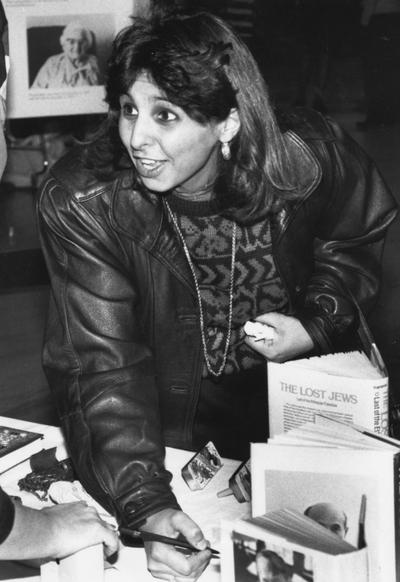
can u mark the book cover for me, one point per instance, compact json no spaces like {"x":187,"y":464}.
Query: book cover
{"x":12,"y":439}
{"x":349,"y":387}
{"x":252,"y":553}
{"x":16,"y":445}
{"x":347,"y":481}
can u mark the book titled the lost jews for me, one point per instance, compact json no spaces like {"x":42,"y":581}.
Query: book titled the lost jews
{"x":343,"y":477}
{"x":350,"y":387}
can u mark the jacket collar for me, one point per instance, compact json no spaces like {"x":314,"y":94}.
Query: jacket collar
{"x":142,"y":216}
{"x":305,"y":166}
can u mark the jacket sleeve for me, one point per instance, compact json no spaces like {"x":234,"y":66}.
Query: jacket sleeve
{"x":7,"y":514}
{"x":98,"y":364}
{"x":349,"y":214}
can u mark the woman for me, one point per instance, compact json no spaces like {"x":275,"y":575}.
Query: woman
{"x":75,"y":66}
{"x":192,"y":212}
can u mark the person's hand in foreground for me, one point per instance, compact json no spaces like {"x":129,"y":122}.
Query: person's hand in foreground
{"x":56,"y":532}
{"x":165,"y":561}
{"x":289,"y":338}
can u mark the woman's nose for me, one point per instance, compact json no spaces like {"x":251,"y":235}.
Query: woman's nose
{"x":141,"y":134}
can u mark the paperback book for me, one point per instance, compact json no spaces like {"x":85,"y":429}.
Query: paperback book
{"x":286,"y":546}
{"x":346,"y":478}
{"x":350,"y":387}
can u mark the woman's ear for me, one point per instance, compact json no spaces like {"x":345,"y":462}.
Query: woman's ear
{"x":230,"y":126}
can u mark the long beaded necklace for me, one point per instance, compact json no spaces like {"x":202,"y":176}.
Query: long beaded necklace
{"x":210,"y":368}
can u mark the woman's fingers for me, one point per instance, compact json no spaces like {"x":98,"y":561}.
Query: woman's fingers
{"x":165,"y":561}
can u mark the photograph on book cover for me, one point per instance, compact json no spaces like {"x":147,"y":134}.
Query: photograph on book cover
{"x":58,"y":53}
{"x":256,"y":559}
{"x":12,"y":439}
{"x":345,"y":504}
{"x":361,"y":483}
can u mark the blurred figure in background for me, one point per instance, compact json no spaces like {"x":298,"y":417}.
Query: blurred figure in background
{"x":380,"y":22}
{"x":315,"y":21}
{"x":4,"y":66}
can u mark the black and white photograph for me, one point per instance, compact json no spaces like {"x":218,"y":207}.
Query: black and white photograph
{"x":199,"y":290}
{"x":337,"y":508}
{"x":60,"y":51}
{"x":70,"y":54}
{"x":259,"y":561}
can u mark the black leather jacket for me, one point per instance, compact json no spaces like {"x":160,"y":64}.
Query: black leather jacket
{"x":122,"y":349}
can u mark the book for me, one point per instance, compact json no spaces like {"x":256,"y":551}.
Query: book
{"x":17,"y":445}
{"x":24,"y":439}
{"x":286,"y":546}
{"x":345,"y":477}
{"x":352,"y":387}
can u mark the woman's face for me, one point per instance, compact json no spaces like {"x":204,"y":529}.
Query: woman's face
{"x":74,"y":44}
{"x":166,"y":146}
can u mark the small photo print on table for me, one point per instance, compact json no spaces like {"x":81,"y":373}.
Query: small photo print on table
{"x":202,"y":467}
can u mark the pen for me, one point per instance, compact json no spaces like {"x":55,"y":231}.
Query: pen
{"x":148,"y":536}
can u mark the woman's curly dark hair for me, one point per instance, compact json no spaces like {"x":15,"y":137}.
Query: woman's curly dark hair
{"x":202,"y":66}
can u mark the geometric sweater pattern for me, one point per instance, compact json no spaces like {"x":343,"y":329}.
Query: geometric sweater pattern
{"x":257,"y":286}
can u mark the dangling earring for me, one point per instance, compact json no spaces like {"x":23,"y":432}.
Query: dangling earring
{"x":226,"y":150}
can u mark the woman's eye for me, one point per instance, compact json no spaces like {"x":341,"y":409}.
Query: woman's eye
{"x":165,"y":115}
{"x":128,"y":110}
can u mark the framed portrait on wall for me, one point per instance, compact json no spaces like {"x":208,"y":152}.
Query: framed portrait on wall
{"x":58,"y":54}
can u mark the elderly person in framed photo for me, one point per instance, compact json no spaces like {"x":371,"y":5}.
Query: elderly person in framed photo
{"x":76,"y":66}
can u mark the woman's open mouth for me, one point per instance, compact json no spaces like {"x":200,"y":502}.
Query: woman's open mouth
{"x":148,"y":168}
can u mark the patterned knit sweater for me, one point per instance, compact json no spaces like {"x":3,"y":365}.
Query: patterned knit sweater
{"x":257,"y":285}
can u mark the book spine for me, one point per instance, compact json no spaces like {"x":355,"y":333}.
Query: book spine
{"x":396,"y":503}
{"x":381,"y":407}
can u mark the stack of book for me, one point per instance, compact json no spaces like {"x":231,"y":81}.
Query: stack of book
{"x":325,"y":508}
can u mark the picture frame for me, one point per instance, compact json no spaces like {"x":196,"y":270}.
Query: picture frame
{"x":38,"y":50}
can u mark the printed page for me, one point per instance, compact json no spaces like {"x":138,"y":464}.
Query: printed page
{"x":296,"y":395}
{"x":345,"y":364}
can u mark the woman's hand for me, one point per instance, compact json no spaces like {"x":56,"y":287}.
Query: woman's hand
{"x":290,"y":339}
{"x":165,"y":561}
{"x":76,"y":526}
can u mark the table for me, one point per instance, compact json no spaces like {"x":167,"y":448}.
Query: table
{"x":203,"y":505}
